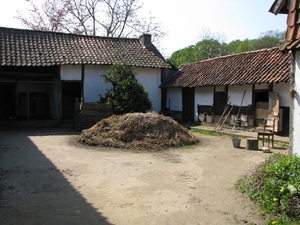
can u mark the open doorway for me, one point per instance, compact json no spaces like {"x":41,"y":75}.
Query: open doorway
{"x":70,"y":91}
{"x":7,"y":101}
{"x":266,"y":106}
{"x":261,"y":99}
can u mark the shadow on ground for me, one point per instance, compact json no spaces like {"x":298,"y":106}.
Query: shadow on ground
{"x":42,"y":194}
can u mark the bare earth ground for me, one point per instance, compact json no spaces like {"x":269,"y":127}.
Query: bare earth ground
{"x":48,"y":179}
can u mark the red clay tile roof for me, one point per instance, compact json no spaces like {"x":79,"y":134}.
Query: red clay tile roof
{"x":261,"y":66}
{"x":292,"y":9}
{"x":20,"y":47}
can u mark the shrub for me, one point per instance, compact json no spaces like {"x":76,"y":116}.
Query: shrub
{"x":130,"y":96}
{"x":127,"y":94}
{"x":275,"y":186}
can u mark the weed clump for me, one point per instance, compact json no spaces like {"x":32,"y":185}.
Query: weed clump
{"x":275,"y":186}
{"x":138,"y":131}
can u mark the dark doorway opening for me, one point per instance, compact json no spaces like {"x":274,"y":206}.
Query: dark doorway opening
{"x":7,"y":101}
{"x":262,"y":96}
{"x":220,"y":101}
{"x":70,"y":91}
{"x":188,"y":104}
{"x":285,"y":120}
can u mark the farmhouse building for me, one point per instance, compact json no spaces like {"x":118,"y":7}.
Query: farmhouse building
{"x":42,"y":73}
{"x":255,"y":84}
{"x":292,"y":46}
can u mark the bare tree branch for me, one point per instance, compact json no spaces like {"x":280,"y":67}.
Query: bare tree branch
{"x":111,"y":18}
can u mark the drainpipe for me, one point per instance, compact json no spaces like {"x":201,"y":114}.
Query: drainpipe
{"x":27,"y":104}
{"x":292,"y":86}
{"x":82,"y":81}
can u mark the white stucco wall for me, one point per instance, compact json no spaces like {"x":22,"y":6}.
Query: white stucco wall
{"x":174,"y":99}
{"x":93,"y":82}
{"x":263,"y":86}
{"x":283,"y":89}
{"x":236,"y":92}
{"x":296,"y":104}
{"x":94,"y":85}
{"x":203,"y":96}
{"x":150,"y":79}
{"x":70,"y":72}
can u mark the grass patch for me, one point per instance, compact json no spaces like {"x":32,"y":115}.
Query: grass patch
{"x":206,"y":132}
{"x":211,"y":133}
{"x":281,"y":144}
{"x":275,"y":186}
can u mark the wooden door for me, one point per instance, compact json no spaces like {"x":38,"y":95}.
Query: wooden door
{"x":220,"y":100}
{"x":188,"y":104}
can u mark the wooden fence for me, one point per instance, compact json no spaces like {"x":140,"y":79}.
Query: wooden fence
{"x":88,"y":114}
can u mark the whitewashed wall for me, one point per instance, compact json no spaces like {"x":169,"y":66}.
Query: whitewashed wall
{"x":150,"y":79}
{"x":93,"y":82}
{"x":296,"y":102}
{"x":94,"y":85}
{"x":236,"y":92}
{"x":263,"y":86}
{"x":283,"y":89}
{"x":203,"y":96}
{"x":174,"y":99}
{"x":70,"y":72}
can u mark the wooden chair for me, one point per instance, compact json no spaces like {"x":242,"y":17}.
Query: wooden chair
{"x":267,"y":132}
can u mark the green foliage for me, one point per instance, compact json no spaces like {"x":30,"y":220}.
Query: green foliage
{"x":183,"y":56}
{"x":275,"y":186}
{"x":205,"y":49}
{"x":212,"y":48}
{"x":269,"y":39}
{"x":127,"y":94}
{"x":130,"y":96}
{"x":119,"y":72}
{"x":208,"y":49}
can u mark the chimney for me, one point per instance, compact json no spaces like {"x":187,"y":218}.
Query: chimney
{"x":145,"y":39}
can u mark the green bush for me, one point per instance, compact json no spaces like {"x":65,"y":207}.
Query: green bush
{"x":130,"y":96}
{"x":127,"y":94}
{"x":275,"y":186}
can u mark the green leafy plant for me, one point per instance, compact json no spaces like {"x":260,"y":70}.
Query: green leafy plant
{"x":127,"y":94}
{"x":275,"y":186}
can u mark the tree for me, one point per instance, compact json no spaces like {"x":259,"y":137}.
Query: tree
{"x":207,"y":34}
{"x":268,"y":39}
{"x":48,"y":16}
{"x":127,"y":94}
{"x":182,"y":56}
{"x":208,"y":48}
{"x":205,"y":49}
{"x":110,"y":18}
{"x":213,"y":45}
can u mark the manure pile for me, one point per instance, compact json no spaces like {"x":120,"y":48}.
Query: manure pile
{"x":139,"y":131}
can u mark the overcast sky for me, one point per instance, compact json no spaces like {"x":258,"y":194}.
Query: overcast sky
{"x":184,"y":19}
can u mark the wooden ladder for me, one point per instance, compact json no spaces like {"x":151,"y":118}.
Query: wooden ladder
{"x":223,"y":118}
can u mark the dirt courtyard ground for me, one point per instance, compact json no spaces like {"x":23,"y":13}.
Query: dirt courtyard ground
{"x":47,"y":179}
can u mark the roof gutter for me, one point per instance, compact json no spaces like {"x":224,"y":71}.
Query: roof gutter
{"x":278,"y":7}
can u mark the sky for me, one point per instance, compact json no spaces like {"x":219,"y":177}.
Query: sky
{"x":184,"y":20}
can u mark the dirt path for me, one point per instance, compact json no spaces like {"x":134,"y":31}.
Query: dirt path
{"x":47,"y":180}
